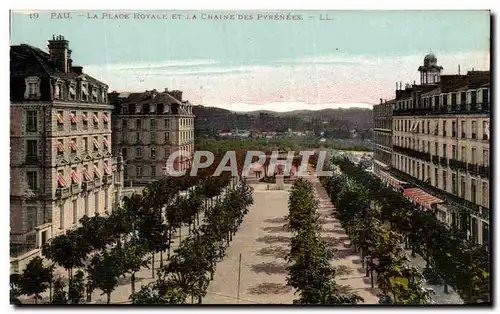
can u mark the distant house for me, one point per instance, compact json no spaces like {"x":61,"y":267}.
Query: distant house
{"x":225,"y":133}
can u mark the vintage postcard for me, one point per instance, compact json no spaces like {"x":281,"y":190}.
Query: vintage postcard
{"x":250,"y":157}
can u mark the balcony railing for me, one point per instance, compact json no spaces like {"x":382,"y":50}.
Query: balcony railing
{"x":87,"y":185}
{"x":462,"y":109}
{"x":457,"y":164}
{"x":63,"y":192}
{"x":443,"y":161}
{"x":435,"y":160}
{"x":472,"y":168}
{"x":484,"y":171}
{"x":107,"y":179}
{"x":75,"y":188}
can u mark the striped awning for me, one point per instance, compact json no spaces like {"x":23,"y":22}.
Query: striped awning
{"x":106,"y":169}
{"x":86,"y":174}
{"x":60,"y":181}
{"x":60,"y":119}
{"x":105,"y":117}
{"x":421,"y":197}
{"x":387,"y":178}
{"x":73,"y":118}
{"x":74,"y":177}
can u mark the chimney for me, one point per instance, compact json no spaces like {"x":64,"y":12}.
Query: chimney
{"x":70,"y":61}
{"x":77,"y":69}
{"x":166,"y":90}
{"x":380,"y":100}
{"x":59,"y":53}
{"x":459,"y":69}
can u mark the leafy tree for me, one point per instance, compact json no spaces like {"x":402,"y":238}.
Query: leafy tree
{"x":60,"y":296}
{"x":104,"y":272}
{"x":77,"y":290}
{"x":15,"y":289}
{"x":35,"y":278}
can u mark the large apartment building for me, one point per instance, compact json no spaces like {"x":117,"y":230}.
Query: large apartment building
{"x":382,"y":134}
{"x":60,"y":134}
{"x":441,"y":147}
{"x":147,"y":129}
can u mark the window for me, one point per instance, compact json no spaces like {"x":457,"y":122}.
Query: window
{"x":444,"y":128}
{"x":436,"y":177}
{"x":474,"y":129}
{"x":96,"y":143}
{"x":473,"y":100}
{"x":462,"y":187}
{"x":444,"y":150}
{"x":152,"y":108}
{"x":96,"y":120}
{"x":152,"y":124}
{"x":428,"y":173}
{"x":486,"y":235}
{"x":139,"y":171}
{"x":74,"y":146}
{"x":167,"y":124}
{"x":453,"y":101}
{"x":464,"y":128}
{"x":152,"y":137}
{"x":153,"y":171}
{"x":32,"y":177}
{"x":167,"y":136}
{"x":153,"y":152}
{"x":486,"y":158}
{"x":485,"y":195}
{"x":85,"y":144}
{"x":473,"y":190}
{"x":124,"y":124}
{"x":138,"y":124}
{"x":138,"y":137}
{"x":454,"y":151}
{"x":463,"y":154}
{"x":96,"y":201}
{"x":31,"y":221}
{"x":138,"y":152}
{"x":453,"y":183}
{"x":486,"y":130}
{"x":473,"y":156}
{"x":61,"y":216}
{"x":436,"y":127}
{"x":32,"y":87}
{"x":124,"y":153}
{"x":75,"y":212}
{"x":85,"y":120}
{"x":444,"y":179}
{"x":428,"y":127}
{"x":436,"y":102}
{"x":436,"y":150}
{"x":32,"y":148}
{"x":31,"y":121}
{"x":454,"y":128}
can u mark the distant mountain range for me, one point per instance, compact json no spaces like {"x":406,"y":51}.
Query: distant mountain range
{"x":334,"y":122}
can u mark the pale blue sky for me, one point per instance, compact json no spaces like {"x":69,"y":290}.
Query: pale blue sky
{"x":257,"y":62}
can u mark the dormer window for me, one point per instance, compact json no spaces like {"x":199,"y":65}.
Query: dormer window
{"x":166,"y":109}
{"x":85,"y":92}
{"x":72,"y":92}
{"x":32,"y":88}
{"x":138,"y":108}
{"x":58,"y":91}
{"x":152,"y":108}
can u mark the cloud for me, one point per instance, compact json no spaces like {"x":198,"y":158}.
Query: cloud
{"x":307,"y":81}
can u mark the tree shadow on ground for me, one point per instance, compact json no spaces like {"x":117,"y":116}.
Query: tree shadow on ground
{"x":344,"y":289}
{"x":324,"y":220}
{"x":276,"y":229}
{"x":361,"y":270}
{"x":277,"y":220}
{"x":375,"y":291}
{"x":343,"y":270}
{"x":331,"y":241}
{"x":269,"y":268}
{"x":269,"y":288}
{"x":276,"y":251}
{"x":271,"y":239}
{"x":122,"y":281}
{"x":335,"y":230}
{"x":341,"y":254}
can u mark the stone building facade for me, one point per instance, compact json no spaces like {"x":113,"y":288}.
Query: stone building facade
{"x":61,"y":162}
{"x":382,"y":131}
{"x":148,"y":128}
{"x":441,"y":148}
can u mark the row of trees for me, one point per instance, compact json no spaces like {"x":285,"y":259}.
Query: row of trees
{"x":310,"y":271}
{"x":191,"y":268}
{"x":379,"y":219}
{"x":119,"y":243}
